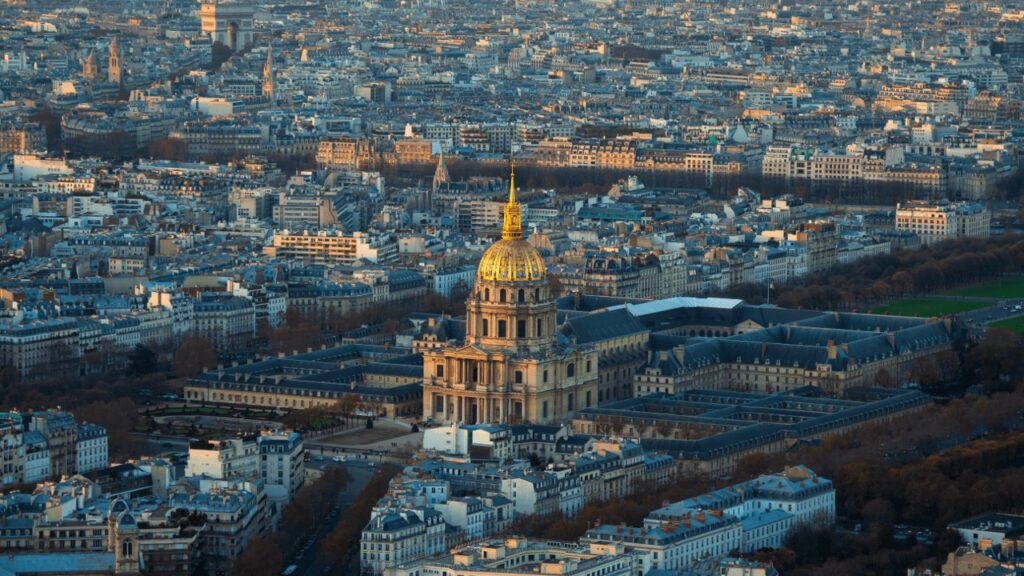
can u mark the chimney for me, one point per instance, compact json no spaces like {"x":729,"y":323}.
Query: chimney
{"x":831,"y":349}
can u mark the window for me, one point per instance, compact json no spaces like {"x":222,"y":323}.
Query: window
{"x":519,"y":376}
{"x":544,"y":409}
{"x":475,"y":373}
{"x":487,"y":293}
{"x":536,"y":294}
{"x":569,"y":402}
{"x":540,"y":327}
{"x":545,"y":376}
{"x":502,"y":329}
{"x":521,"y":328}
{"x":486,"y":328}
{"x":522,"y":296}
{"x":440,"y":370}
{"x":588,"y":399}
{"x":570,"y":370}
{"x":501,"y":295}
{"x":588,"y":366}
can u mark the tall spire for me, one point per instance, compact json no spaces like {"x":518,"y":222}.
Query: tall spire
{"x":512,"y":228}
{"x":268,"y":74}
{"x":114,"y":63}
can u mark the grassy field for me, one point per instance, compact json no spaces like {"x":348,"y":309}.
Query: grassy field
{"x":1002,"y":288}
{"x":925,"y":308}
{"x":1012,"y":324}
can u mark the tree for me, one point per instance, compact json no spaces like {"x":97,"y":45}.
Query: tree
{"x":195,"y":355}
{"x":884,"y":379}
{"x":51,"y":124}
{"x":262,"y":557}
{"x":751,"y":465}
{"x":141,"y":361}
{"x":295,"y":337}
{"x":221,"y":54}
{"x":174,"y":149}
{"x":996,"y":360}
{"x":925,"y":371}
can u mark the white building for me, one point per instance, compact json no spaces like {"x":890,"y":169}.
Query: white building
{"x":282,"y":457}
{"x":519,"y":555}
{"x":745,"y":517}
{"x":224,"y":459}
{"x":91,"y":452}
{"x":29,"y":167}
{"x":396,"y":536}
{"x":37,"y":458}
{"x":479,"y":441}
{"x":943,"y":221}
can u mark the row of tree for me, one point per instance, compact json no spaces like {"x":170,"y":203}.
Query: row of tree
{"x":265,"y":555}
{"x":340,"y":547}
{"x":882,"y":278}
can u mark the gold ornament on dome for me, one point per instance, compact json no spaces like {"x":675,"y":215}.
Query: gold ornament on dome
{"x":511,"y":259}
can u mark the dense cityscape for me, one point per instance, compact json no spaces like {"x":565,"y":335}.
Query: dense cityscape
{"x":442,"y":288}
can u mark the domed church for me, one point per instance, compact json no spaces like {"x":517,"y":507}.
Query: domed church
{"x":514,"y":366}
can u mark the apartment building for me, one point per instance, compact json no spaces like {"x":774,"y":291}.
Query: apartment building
{"x":943,"y":221}
{"x":281,"y":461}
{"x":226,"y":321}
{"x":342,"y":153}
{"x":744,"y":517}
{"x":395,"y":536}
{"x":519,"y":555}
{"x":29,"y":347}
{"x":224,"y":458}
{"x":333,"y":247}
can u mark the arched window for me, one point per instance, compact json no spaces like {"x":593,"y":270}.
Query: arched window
{"x":501,"y":295}
{"x":522,"y":296}
{"x":487,"y":293}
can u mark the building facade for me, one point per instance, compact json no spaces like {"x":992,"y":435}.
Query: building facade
{"x":512,"y":367}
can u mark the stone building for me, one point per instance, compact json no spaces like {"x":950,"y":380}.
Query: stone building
{"x":513,"y":366}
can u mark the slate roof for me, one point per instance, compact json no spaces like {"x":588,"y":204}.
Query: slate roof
{"x":604,"y":326}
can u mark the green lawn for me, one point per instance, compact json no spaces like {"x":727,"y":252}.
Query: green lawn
{"x":926,"y":308}
{"x":1012,"y":324}
{"x":1002,"y":288}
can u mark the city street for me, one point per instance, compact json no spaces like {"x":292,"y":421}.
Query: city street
{"x":308,"y":560}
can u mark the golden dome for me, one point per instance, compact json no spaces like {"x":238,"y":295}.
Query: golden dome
{"x":511,"y":259}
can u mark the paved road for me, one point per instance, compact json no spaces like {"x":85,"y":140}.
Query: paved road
{"x":1001,"y":311}
{"x":308,"y":561}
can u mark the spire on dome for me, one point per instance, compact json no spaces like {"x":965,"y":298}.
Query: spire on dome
{"x":512,"y":227}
